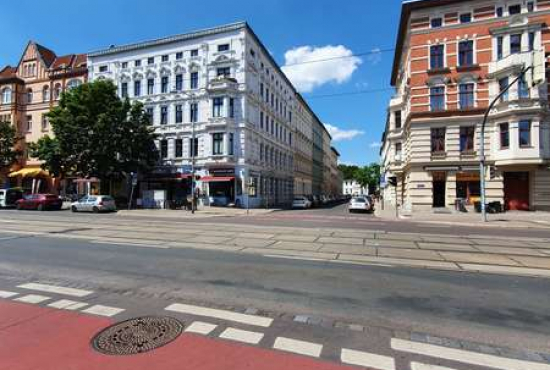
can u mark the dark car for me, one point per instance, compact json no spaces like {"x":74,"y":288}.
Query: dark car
{"x":40,"y":202}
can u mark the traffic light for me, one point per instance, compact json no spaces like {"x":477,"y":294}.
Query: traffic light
{"x":492,"y":172}
{"x":392,"y":180}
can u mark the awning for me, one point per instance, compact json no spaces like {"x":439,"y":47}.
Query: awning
{"x":29,"y":172}
{"x":84,"y":180}
{"x":216,"y":179}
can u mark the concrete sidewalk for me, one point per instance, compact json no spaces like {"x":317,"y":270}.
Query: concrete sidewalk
{"x":201,"y":212}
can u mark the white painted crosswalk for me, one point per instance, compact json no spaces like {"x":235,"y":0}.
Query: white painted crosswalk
{"x":199,"y":327}
{"x":466,"y":357}
{"x":421,"y":366}
{"x":298,"y":346}
{"x":244,"y":336}
{"x":67,"y":304}
{"x":101,"y":310}
{"x":7,"y":294}
{"x":366,"y":359}
{"x":241,"y":318}
{"x":32,"y":298}
{"x":73,"y":292}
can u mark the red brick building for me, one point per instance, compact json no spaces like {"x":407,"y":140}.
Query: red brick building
{"x":452,"y":58}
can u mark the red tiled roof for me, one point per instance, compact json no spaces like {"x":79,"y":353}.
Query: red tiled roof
{"x":47,"y":55}
{"x":7,"y":71}
{"x":71,"y":60}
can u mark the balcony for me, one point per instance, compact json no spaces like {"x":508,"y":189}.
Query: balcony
{"x":223,"y":84}
{"x":513,"y":63}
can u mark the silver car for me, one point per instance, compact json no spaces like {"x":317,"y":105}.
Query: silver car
{"x":359,"y":204}
{"x":94,"y":203}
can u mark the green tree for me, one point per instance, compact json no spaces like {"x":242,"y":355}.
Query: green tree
{"x":8,"y":141}
{"x":348,"y":172}
{"x":97,"y":135}
{"x":365,"y":176}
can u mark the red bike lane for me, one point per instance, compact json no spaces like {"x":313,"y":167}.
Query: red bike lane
{"x":39,"y":338}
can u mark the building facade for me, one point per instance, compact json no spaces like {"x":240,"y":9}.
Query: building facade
{"x":27,"y":93}
{"x":453,"y":57}
{"x":336,"y":176}
{"x":220,"y":104}
{"x":353,"y":188}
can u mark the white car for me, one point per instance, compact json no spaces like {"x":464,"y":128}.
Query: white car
{"x":301,"y":202}
{"x":94,"y":203}
{"x":359,"y":204}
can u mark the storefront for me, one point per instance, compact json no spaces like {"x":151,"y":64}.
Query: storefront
{"x":516,"y":191}
{"x":468,"y":187}
{"x":33,"y":180}
{"x":439,"y":188}
{"x":165,"y":188}
{"x":220,"y":187}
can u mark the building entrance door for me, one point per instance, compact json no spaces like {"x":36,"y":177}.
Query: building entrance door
{"x":439,"y":186}
{"x":516,"y":191}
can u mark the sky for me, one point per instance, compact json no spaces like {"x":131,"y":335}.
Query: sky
{"x":349,"y":92}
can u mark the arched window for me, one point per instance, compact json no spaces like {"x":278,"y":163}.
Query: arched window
{"x":6,"y":96}
{"x":57,"y":91}
{"x":73,"y":84}
{"x":29,"y":96}
{"x":46,"y":93}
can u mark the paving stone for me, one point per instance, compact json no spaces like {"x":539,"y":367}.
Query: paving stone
{"x":351,"y":249}
{"x":314,"y":321}
{"x":208,"y":239}
{"x":446,"y":240}
{"x":296,"y":238}
{"x":511,"y":250}
{"x":349,"y":241}
{"x":391,"y":243}
{"x":296,"y":246}
{"x":251,"y":311}
{"x":354,"y":233}
{"x":533,"y":261}
{"x":254,"y":243}
{"x":481,"y":258}
{"x":445,"y":246}
{"x":255,"y":235}
{"x":292,"y":254}
{"x":398,"y":236}
{"x":357,"y":327}
{"x":505,"y":270}
{"x":409,"y":253}
{"x":218,"y":247}
{"x":419,"y":337}
{"x":399,"y":261}
{"x":502,"y":242}
{"x":301,"y":318}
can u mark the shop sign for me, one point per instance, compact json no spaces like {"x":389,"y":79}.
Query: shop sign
{"x":222,"y":172}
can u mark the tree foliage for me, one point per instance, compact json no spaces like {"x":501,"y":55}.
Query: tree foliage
{"x":97,"y":135}
{"x":8,"y":141}
{"x":365,"y":176}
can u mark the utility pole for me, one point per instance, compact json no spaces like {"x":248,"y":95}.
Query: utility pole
{"x":193,"y":205}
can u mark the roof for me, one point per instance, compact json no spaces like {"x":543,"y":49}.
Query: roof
{"x":335,"y":151}
{"x":47,"y":55}
{"x":8,"y":74}
{"x":407,"y":7}
{"x":71,"y":60}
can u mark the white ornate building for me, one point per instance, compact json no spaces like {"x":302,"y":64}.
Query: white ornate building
{"x":222,"y":84}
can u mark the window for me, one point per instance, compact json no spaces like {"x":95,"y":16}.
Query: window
{"x":398,"y":150}
{"x":194,"y":147}
{"x":163,"y":115}
{"x":124,"y":65}
{"x":164,"y":58}
{"x":231,"y":144}
{"x":531,"y":6}
{"x":223,"y":72}
{"x":515,"y":44}
{"x":151,"y":114}
{"x":151,"y":60}
{"x":436,"y":22}
{"x":124,"y":89}
{"x":46,"y":94}
{"x":398,"y":119}
{"x":261,"y":90}
{"x":179,"y":55}
{"x":290,"y":138}
{"x":179,"y":82}
{"x":524,"y":134}
{"x":267,"y":95}
{"x":223,"y":47}
{"x":466,"y":92}
{"x":504,"y":136}
{"x":438,"y":139}
{"x":252,"y":53}
{"x":73,"y":84}
{"x":194,"y":80}
{"x":137,"y":88}
{"x":466,"y":53}
{"x":499,"y":11}
{"x":261,"y":120}
{"x":103,"y":68}
{"x":150,"y":86}
{"x":164,"y":149}
{"x":179,"y":148}
{"x":437,"y":98}
{"x":57,"y":91}
{"x":465,"y":17}
{"x":523,"y":89}
{"x":217,"y":107}
{"x":137,"y":63}
{"x":194,"y":52}
{"x":437,"y":56}
{"x":29,"y":96}
{"x":261,"y":152}
{"x":467,"y":134}
{"x":193,"y":112}
{"x":531,"y":41}
{"x":503,"y":85}
{"x":45,"y":122}
{"x":6,"y":96}
{"x":514,"y":9}
{"x":164,"y":84}
{"x":29,"y":123}
{"x":179,"y":113}
{"x":217,"y":144}
{"x":231,"y":107}
{"x":500,"y":47}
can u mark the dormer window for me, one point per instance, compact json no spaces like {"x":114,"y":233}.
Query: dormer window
{"x":436,"y":22}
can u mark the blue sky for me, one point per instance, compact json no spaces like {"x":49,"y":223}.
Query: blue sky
{"x":298,"y":29}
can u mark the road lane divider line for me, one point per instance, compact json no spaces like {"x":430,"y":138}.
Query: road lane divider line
{"x":241,"y":318}
{"x":244,"y":336}
{"x":298,"y":346}
{"x":73,"y":292}
{"x":6,"y":294}
{"x":67,"y":304}
{"x":199,"y":327}
{"x":32,"y":298}
{"x":421,"y":366}
{"x":100,"y":310}
{"x":366,"y":359}
{"x":467,"y":357}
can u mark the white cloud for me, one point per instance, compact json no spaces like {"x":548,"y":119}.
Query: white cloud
{"x":304,"y":68}
{"x":375,"y":56}
{"x":340,"y":134}
{"x":375,"y":145}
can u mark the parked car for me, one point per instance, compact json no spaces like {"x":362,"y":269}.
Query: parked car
{"x":301,"y":202}
{"x":359,"y":204}
{"x":94,"y":203}
{"x":9,"y":197}
{"x":219,"y":199}
{"x":316,"y":201}
{"x":40,"y":202}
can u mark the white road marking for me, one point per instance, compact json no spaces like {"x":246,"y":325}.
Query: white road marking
{"x":32,"y":298}
{"x":366,"y":359}
{"x":73,"y":292}
{"x":421,"y":366}
{"x":67,"y":304}
{"x":200,"y":327}
{"x":294,"y":258}
{"x":221,"y":314}
{"x":298,"y":346}
{"x":131,"y":244}
{"x":467,"y":357}
{"x":103,"y":310}
{"x":6,"y":294}
{"x":245,"y":336}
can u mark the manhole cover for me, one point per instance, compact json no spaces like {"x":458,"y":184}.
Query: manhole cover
{"x":137,"y":335}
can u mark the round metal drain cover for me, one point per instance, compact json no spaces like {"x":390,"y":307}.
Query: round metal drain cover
{"x":137,"y":335}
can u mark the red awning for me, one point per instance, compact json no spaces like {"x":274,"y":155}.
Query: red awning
{"x":216,"y":179}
